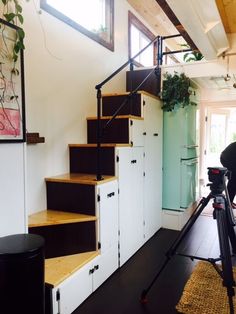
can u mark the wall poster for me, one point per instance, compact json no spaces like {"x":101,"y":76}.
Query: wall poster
{"x":12,"y":95}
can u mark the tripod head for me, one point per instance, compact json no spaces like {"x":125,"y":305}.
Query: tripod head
{"x":217,"y":177}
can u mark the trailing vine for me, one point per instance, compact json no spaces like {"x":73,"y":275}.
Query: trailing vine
{"x":12,"y":37}
{"x":12,"y":13}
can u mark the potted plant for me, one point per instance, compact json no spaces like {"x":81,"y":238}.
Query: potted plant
{"x":176,"y":91}
{"x":194,"y":55}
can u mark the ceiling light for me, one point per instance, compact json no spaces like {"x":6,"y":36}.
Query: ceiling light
{"x":227,"y":78}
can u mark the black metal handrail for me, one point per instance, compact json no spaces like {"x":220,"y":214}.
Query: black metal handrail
{"x":98,"y":87}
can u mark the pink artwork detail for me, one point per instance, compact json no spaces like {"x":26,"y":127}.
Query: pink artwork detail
{"x":9,"y":122}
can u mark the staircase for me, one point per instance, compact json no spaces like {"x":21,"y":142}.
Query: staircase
{"x":93,"y":227}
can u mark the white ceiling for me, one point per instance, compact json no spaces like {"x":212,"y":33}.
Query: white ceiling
{"x":206,"y":24}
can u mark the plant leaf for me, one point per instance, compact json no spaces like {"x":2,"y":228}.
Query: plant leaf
{"x":9,"y":16}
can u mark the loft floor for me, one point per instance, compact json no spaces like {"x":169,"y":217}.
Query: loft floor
{"x":120,"y":293}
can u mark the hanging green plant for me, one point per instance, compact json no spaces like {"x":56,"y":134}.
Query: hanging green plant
{"x":176,"y":91}
{"x":194,"y":55}
{"x":12,"y":13}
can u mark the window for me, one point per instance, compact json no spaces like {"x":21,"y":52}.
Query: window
{"x":139,"y":37}
{"x":93,"y":18}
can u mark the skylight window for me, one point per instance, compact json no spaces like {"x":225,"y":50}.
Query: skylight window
{"x":94,"y":18}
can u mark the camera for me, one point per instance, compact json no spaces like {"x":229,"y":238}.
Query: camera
{"x":216,"y":176}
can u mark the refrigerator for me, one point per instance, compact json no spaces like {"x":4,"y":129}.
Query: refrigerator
{"x":180,"y":159}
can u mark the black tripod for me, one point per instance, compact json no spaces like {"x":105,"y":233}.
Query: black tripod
{"x":226,"y":234}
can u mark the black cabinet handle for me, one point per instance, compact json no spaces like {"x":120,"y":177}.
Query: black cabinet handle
{"x":110,"y":194}
{"x":91,"y":271}
{"x":144,"y":133}
{"x":155,"y":134}
{"x":134,"y":161}
{"x":96,"y":267}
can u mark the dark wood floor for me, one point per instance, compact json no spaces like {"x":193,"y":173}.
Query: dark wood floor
{"x":120,"y":294}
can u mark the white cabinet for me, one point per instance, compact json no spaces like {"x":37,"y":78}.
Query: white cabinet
{"x":73,"y":291}
{"x":129,"y":169}
{"x":136,"y":132}
{"x":153,"y":117}
{"x":107,"y":213}
{"x":107,"y":232}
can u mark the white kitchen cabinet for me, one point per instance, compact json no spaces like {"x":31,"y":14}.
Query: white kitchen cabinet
{"x":153,"y":117}
{"x":129,"y":169}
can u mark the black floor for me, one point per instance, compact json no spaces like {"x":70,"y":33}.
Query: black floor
{"x":120,"y":294}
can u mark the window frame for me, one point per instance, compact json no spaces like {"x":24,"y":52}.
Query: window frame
{"x":109,"y":16}
{"x":133,"y":20}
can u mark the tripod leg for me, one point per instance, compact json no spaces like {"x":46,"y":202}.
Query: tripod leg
{"x":172,"y":250}
{"x":227,"y":269}
{"x":197,"y":212}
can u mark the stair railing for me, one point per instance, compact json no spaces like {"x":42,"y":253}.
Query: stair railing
{"x":98,"y":87}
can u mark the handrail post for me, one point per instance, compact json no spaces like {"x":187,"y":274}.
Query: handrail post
{"x":99,"y":134}
{"x":159,"y":55}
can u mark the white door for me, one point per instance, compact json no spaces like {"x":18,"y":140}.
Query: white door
{"x":153,"y":117}
{"x":220,"y":131}
{"x":136,"y":132}
{"x":75,"y":289}
{"x":130,"y":172}
{"x":105,"y":265}
{"x":108,"y":215}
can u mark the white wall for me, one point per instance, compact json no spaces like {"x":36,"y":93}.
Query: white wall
{"x":62,"y":67}
{"x":12,"y":189}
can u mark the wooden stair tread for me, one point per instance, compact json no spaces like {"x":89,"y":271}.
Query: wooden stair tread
{"x":81,"y":178}
{"x":102,"y":145}
{"x":54,"y":217}
{"x":117,"y":117}
{"x":142,"y":92}
{"x":58,"y":269}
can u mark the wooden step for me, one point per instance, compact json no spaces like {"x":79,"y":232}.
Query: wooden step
{"x":80,"y":178}
{"x":53,"y":217}
{"x":83,"y":158}
{"x":111,"y":102}
{"x":65,"y":233}
{"x":120,"y":130}
{"x":136,"y":77}
{"x":60,"y":268}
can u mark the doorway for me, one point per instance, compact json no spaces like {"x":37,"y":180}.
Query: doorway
{"x":220,"y":131}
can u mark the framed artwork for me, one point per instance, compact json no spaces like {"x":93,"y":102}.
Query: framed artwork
{"x":12,"y":94}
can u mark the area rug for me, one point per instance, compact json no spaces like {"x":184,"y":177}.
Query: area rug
{"x":204,"y":292}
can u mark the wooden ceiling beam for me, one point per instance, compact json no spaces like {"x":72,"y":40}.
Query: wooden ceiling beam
{"x":172,"y":17}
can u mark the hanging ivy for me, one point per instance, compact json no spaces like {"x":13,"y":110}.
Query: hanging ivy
{"x":175,"y":91}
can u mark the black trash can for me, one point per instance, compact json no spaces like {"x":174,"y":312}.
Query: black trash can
{"x":22,"y":274}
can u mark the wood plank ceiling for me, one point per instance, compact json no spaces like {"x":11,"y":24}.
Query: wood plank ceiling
{"x":227,"y":10}
{"x":162,"y":19}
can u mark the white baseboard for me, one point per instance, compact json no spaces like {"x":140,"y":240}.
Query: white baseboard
{"x":175,"y":220}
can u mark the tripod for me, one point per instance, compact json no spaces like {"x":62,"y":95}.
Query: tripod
{"x":223,"y":215}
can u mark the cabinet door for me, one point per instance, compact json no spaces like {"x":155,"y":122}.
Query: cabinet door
{"x":153,"y":117}
{"x":136,"y":132}
{"x":75,"y":290}
{"x":105,"y":265}
{"x":130,"y":172}
{"x":108,"y":215}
